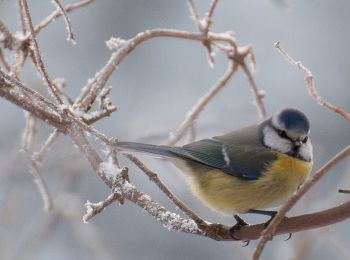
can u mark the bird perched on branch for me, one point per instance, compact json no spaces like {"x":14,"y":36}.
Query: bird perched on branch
{"x":246,"y":170}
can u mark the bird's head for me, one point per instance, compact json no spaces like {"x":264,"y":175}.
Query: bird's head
{"x":287,"y":131}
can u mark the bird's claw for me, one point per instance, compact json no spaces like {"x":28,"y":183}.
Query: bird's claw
{"x":289,"y":237}
{"x":269,"y":221}
{"x":240,"y":223}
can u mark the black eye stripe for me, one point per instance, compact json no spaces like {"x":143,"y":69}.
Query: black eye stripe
{"x":305,"y":139}
{"x":282,"y":134}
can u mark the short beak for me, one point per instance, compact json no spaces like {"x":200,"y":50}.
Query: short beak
{"x":297,"y":144}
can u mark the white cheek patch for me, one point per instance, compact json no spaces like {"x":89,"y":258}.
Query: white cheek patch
{"x":274,"y":141}
{"x":305,"y":151}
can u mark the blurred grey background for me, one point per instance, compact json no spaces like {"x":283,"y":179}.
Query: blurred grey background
{"x":153,"y":89}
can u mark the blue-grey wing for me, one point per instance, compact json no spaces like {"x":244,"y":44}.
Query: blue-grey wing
{"x":238,"y":153}
{"x":243,"y":157}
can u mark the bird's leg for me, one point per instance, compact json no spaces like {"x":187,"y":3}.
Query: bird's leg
{"x":239,"y":223}
{"x":270,"y":213}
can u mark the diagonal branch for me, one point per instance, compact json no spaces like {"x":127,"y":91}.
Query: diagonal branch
{"x":193,"y":114}
{"x":268,"y":233}
{"x":35,"y":166}
{"x":259,"y":94}
{"x":310,"y":83}
{"x":125,"y":47}
{"x":37,"y":56}
{"x":46,"y":21}
{"x":154,"y":177}
{"x":7,"y":38}
{"x":60,"y":7}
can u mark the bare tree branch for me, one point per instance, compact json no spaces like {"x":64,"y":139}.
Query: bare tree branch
{"x":92,"y":209}
{"x":60,"y":7}
{"x":194,"y":13}
{"x":39,"y":156}
{"x":37,"y":56}
{"x":268,"y":233}
{"x":123,"y":48}
{"x":45,"y":22}
{"x":154,"y":177}
{"x":74,"y":119}
{"x":310,"y":83}
{"x":4,"y":61}
{"x":7,"y":38}
{"x":35,"y":166}
{"x":259,"y":94}
{"x":193,"y":114}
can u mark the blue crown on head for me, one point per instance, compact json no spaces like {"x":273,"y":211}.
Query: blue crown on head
{"x":294,"y":119}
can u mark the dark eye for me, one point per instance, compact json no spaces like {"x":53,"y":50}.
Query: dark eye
{"x":305,"y":139}
{"x":282,"y":133}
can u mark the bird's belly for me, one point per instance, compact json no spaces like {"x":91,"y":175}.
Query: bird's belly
{"x":230,"y":194}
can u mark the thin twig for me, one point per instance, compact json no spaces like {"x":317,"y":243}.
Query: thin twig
{"x":94,"y":117}
{"x":259,"y":94}
{"x":130,"y":192}
{"x":204,"y":25}
{"x":46,"y":21}
{"x":193,"y":114}
{"x":310,"y":83}
{"x":67,"y":20}
{"x":27,"y":90}
{"x":92,"y":209}
{"x":154,"y":177}
{"x":209,"y":16}
{"x":268,"y":233}
{"x":36,"y":109}
{"x":21,"y":12}
{"x":60,"y":83}
{"x":344,"y":191}
{"x":7,"y":38}
{"x":19,"y":58}
{"x":39,"y":156}
{"x":37,"y":56}
{"x":4,"y":61}
{"x":28,"y":142}
{"x":192,"y":132}
{"x":95,"y":84}
{"x":194,"y":13}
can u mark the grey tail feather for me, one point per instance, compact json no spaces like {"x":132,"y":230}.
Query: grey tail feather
{"x":163,"y":151}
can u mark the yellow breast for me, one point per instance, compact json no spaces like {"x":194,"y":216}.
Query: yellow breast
{"x":230,"y":194}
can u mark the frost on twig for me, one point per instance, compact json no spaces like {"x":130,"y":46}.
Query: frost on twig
{"x":310,"y":83}
{"x":75,"y":123}
{"x":114,"y":43}
{"x":6,"y":37}
{"x":203,"y":25}
{"x":123,"y":189}
{"x":154,"y":177}
{"x":92,"y":209}
{"x":106,"y":108}
{"x":170,"y":220}
{"x":60,"y":7}
{"x":117,"y":177}
{"x":35,"y":165}
{"x":46,"y":21}
{"x":38,"y":61}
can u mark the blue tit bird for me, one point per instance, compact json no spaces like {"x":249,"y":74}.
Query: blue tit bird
{"x":246,"y":170}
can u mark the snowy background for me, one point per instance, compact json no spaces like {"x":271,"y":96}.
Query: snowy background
{"x":153,"y":89}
